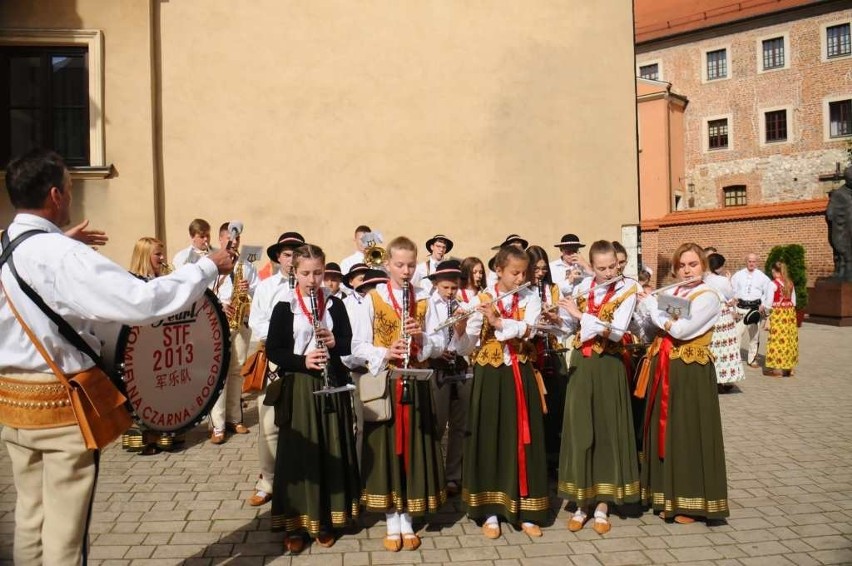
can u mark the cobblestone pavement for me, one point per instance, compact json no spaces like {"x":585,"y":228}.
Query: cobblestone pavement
{"x":789,"y":451}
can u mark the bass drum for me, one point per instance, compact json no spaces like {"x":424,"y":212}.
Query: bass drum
{"x":172,"y":371}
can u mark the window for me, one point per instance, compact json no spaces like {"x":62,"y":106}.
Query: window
{"x":840,"y":118}
{"x":837,"y":41}
{"x":651,"y":71}
{"x":735,"y":195}
{"x":717,"y":64}
{"x":45,"y":101}
{"x":773,"y":53}
{"x":717,"y":134}
{"x":776,"y":126}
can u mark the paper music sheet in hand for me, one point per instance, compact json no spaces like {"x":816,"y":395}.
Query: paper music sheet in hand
{"x":677,"y":307}
{"x":250,"y":254}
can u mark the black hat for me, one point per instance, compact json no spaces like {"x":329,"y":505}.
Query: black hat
{"x":511,"y":239}
{"x":570,"y":240}
{"x":751,"y":317}
{"x":492,"y":263}
{"x":353,"y":271}
{"x":446,"y":269}
{"x":286,"y":240}
{"x":332,"y":268}
{"x":373,"y":277}
{"x":437,"y":237}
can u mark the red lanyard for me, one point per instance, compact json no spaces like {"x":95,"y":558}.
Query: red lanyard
{"x":464,"y":296}
{"x":306,"y":311}
{"x":503,"y":313}
{"x":396,"y":306}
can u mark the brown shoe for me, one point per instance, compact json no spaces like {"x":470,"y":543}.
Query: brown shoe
{"x":452,"y":489}
{"x":531,"y":530}
{"x":393,"y":543}
{"x":217,"y":437}
{"x":574,"y":525}
{"x":257,"y":499}
{"x":326,"y":540}
{"x":754,"y":365}
{"x":294,"y":544}
{"x":237,"y":428}
{"x":491,"y":531}
{"x":601,"y":527}
{"x":683,"y":519}
{"x":410,"y":541}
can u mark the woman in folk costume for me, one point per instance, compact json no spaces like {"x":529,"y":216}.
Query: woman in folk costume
{"x":316,"y":486}
{"x":683,"y":464}
{"x":549,"y":359}
{"x":505,"y":468}
{"x":782,"y":345}
{"x":726,"y":340}
{"x":401,"y":459}
{"x":598,"y":463}
{"x":472,"y":278}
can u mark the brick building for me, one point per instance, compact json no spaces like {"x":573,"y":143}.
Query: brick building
{"x":766,"y":128}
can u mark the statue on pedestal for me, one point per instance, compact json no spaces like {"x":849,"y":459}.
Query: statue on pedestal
{"x":838,"y":214}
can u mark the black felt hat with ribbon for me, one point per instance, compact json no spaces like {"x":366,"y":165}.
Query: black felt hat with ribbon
{"x":356,"y":269}
{"x":372,"y":277}
{"x":290,"y":240}
{"x":570,"y":240}
{"x":437,"y":237}
{"x":512,"y":239}
{"x":332,"y":268}
{"x":449,"y":269}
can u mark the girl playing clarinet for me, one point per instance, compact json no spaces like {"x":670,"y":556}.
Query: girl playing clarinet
{"x":316,"y":484}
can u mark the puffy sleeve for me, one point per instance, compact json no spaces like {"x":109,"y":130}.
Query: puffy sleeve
{"x":362,"y":338}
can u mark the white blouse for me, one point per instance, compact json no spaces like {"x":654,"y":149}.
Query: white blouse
{"x":703,"y":314}
{"x":591,"y":325}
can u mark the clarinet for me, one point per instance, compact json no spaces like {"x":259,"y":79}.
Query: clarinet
{"x":329,"y":406}
{"x":452,"y":305}
{"x":406,"y":397}
{"x":291,"y":279}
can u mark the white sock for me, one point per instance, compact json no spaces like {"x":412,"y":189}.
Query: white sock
{"x":405,"y":524}
{"x":261,"y":493}
{"x":527,"y":524}
{"x":600,"y":516}
{"x":392,"y":520}
{"x":492,"y":520}
{"x":579,"y":515}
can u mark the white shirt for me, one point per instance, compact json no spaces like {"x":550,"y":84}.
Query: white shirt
{"x":362,"y":331}
{"x":189,"y":255}
{"x":304,"y":338}
{"x":558,"y":273}
{"x":527,"y":299}
{"x":347,"y":263}
{"x":267,"y":294}
{"x":437,"y":313}
{"x":703,"y":312}
{"x":85,"y":288}
{"x":591,"y":325}
{"x":721,"y":284}
{"x":749,"y":285}
{"x":353,"y":303}
{"x":422,"y":272}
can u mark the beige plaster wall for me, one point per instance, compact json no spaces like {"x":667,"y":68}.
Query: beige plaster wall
{"x":122,"y":205}
{"x":474,"y":119}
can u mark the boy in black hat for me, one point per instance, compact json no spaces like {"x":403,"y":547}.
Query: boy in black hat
{"x":437,"y":246}
{"x":332,"y":279}
{"x":451,"y":382}
{"x":269,"y":293}
{"x":571,"y":267}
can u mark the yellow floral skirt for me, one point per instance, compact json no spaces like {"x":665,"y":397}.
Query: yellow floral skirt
{"x":782,"y":346}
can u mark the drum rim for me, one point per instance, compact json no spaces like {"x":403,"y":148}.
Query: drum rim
{"x":117,"y":373}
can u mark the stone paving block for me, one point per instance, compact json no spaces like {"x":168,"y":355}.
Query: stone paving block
{"x":764,"y":548}
{"x":623,"y":558}
{"x":796,"y":545}
{"x":766,"y":561}
{"x":546,"y":549}
{"x":838,"y":556}
{"x":802,"y":559}
{"x":104,"y":552}
{"x":617,"y":544}
{"x":356,"y":559}
{"x":659,"y":556}
{"x":696,"y":553}
{"x":582,"y":560}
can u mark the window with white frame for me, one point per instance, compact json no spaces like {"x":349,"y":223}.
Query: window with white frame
{"x":837,"y":41}
{"x":840,"y":118}
{"x":773,"y":53}
{"x":650,"y":71}
{"x":717,"y":64}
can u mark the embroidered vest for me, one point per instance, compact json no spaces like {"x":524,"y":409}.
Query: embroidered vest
{"x":386,"y":324}
{"x":490,"y":352}
{"x":606,"y":314}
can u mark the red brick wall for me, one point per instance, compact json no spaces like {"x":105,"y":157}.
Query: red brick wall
{"x":735,"y":239}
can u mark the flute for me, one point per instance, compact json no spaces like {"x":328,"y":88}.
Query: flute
{"x":673,"y":285}
{"x":463,"y":315}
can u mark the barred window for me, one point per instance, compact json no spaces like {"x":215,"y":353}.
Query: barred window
{"x":44,"y":102}
{"x":773,"y":53}
{"x":717,"y":134}
{"x":776,"y":126}
{"x":840,"y":118}
{"x":651,"y":72}
{"x":717,"y":64}
{"x":838,"y":41}
{"x":735,"y":195}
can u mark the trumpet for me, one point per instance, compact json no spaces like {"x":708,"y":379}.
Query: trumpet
{"x":465,"y":314}
{"x":374,"y":254}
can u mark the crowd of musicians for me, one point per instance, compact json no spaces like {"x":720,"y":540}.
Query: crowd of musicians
{"x":629,"y":418}
{"x":532,"y":368}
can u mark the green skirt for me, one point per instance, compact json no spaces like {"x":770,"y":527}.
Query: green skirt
{"x":490,"y":477}
{"x":691,"y":478}
{"x":598,"y":460}
{"x":316,"y":483}
{"x":389,"y":483}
